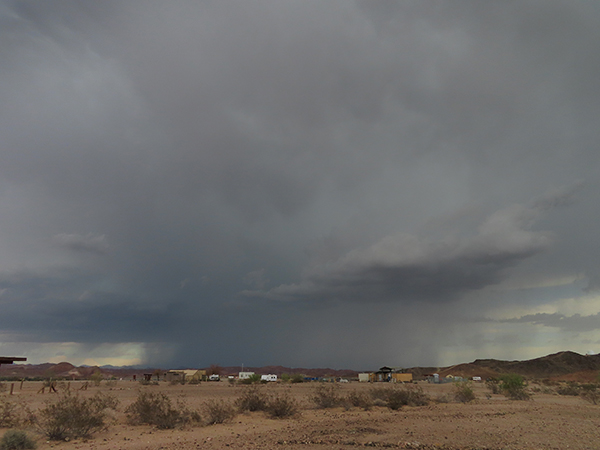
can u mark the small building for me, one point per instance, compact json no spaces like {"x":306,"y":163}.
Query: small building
{"x":245,"y":375}
{"x":185,"y":376}
{"x":388,"y":374}
{"x":363,"y":377}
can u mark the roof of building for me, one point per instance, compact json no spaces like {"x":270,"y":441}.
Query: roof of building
{"x":11,"y":359}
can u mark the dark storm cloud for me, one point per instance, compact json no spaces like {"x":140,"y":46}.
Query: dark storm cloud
{"x":404,"y":267}
{"x":159,"y":158}
{"x":87,"y":243}
{"x":575,"y":323}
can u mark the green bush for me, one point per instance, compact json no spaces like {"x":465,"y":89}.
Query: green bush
{"x":463,"y":392}
{"x":324,"y":396}
{"x":157,"y":409}
{"x":72,"y":416}
{"x":253,"y":398}
{"x":16,"y":440}
{"x":282,"y":406}
{"x":218,"y":411}
{"x":297,"y":378}
{"x":513,"y":387}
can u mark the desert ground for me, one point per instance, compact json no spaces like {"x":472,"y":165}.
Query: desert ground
{"x":548,"y":421}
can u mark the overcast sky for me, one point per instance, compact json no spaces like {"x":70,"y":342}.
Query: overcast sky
{"x":348,"y":184}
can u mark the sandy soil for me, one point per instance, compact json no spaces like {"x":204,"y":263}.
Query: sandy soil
{"x":546,"y":422}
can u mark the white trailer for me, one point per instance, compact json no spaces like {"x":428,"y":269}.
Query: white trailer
{"x":269,"y":377}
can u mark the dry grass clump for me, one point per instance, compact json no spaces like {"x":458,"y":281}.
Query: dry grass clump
{"x":73,"y":416}
{"x":157,"y":409}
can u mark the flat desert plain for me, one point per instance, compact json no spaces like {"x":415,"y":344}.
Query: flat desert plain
{"x":548,"y":421}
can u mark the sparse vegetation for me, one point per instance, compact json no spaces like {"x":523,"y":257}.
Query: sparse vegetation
{"x":325,"y":396}
{"x":463,"y":392}
{"x":14,"y":414}
{"x":73,"y":416}
{"x":218,"y":411}
{"x":493,"y":384}
{"x":398,"y":397}
{"x":96,"y":378}
{"x":253,"y":398}
{"x":360,"y":400}
{"x":17,"y":440}
{"x":297,"y":378}
{"x":157,"y":409}
{"x":513,"y":387}
{"x":590,"y":393}
{"x":282,"y":406}
{"x":569,"y":389}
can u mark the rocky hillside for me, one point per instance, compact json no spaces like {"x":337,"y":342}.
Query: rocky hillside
{"x":562,"y":365}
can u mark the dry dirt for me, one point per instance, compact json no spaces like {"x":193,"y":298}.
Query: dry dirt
{"x":546,"y":422}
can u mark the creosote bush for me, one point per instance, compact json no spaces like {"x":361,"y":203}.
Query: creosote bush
{"x":14,"y":414}
{"x":409,"y":396}
{"x":513,"y":387}
{"x":17,"y":440}
{"x":218,"y":411}
{"x":463,"y":392}
{"x":73,"y":416}
{"x":253,"y":398}
{"x":325,"y":396}
{"x":360,"y":400}
{"x":590,"y":393}
{"x":157,"y":409}
{"x":282,"y":406}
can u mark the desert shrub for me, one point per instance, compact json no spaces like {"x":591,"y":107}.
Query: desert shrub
{"x":325,"y":396}
{"x":2,"y":386}
{"x":96,"y":378}
{"x":493,"y":384}
{"x":569,"y":389}
{"x":297,"y":378}
{"x":513,"y":387}
{"x":111,"y":383}
{"x":409,"y":396}
{"x":16,"y":440}
{"x":194,"y":381}
{"x":72,"y":416}
{"x":463,"y":392}
{"x":157,"y":409}
{"x":442,"y":398}
{"x":145,"y":382}
{"x":218,"y":411}
{"x":282,"y":406}
{"x":590,"y":393}
{"x":285,"y":377}
{"x":359,"y":400}
{"x":379,"y":393}
{"x":13,"y":414}
{"x":253,"y":398}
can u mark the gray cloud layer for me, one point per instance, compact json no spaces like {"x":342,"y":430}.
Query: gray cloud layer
{"x":168,"y":170}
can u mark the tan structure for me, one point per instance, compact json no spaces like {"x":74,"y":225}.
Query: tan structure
{"x":185,"y":376}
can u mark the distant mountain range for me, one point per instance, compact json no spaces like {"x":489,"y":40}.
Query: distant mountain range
{"x":559,"y":366}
